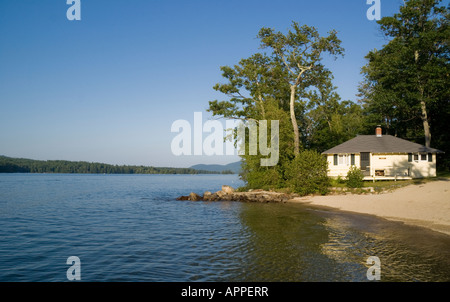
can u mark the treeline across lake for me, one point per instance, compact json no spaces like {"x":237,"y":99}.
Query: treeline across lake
{"x":23,"y":165}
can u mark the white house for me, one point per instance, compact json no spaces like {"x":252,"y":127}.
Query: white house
{"x":383,"y":157}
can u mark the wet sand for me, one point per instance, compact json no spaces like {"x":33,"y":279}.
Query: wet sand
{"x":426,"y":205}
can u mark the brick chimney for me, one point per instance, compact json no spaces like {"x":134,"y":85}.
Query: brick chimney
{"x":378,"y":131}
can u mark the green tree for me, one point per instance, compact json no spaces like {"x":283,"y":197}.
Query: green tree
{"x":251,"y":84}
{"x":286,"y":86}
{"x":307,"y":173}
{"x":330,"y":121}
{"x":408,"y":79}
{"x":272,"y":177}
{"x":300,"y":53}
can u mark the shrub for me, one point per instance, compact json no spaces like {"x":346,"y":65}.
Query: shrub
{"x":307,"y":173}
{"x":266,"y":178}
{"x":355,"y":178}
{"x":340,"y":180}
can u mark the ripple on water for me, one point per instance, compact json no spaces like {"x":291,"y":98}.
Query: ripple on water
{"x":131,"y":228}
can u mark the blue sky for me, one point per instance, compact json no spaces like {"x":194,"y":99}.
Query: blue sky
{"x":107,"y":88}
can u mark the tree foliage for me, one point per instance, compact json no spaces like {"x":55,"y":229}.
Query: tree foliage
{"x":299,"y":53}
{"x":292,"y":86}
{"x":355,"y":178}
{"x":405,"y":89}
{"x":406,"y":82}
{"x":22,"y":165}
{"x":307,"y":173}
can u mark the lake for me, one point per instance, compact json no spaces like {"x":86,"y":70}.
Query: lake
{"x":132,"y":228}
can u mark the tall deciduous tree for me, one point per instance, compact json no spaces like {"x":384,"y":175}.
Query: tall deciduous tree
{"x":250,"y":84}
{"x":255,"y":91}
{"x":300,"y":52}
{"x":280,"y":86}
{"x":328,"y":120}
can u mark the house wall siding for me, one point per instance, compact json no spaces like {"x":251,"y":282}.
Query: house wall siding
{"x":341,"y":170}
{"x":387,"y":164}
{"x":398,"y":165}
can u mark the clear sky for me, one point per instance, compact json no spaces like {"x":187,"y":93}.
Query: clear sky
{"x":108,"y":87}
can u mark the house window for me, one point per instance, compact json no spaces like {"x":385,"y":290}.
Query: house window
{"x":352,"y":162}
{"x":420,"y":157}
{"x":343,"y":160}
{"x":335,"y":159}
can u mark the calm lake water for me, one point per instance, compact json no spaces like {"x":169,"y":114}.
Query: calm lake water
{"x":131,"y":228}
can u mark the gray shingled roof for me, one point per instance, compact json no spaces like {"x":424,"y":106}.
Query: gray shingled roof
{"x":383,"y":144}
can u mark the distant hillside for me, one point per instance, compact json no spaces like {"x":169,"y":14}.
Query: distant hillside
{"x":233,"y":167}
{"x":24,"y":165}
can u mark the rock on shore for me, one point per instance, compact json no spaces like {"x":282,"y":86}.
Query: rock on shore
{"x":229,"y":194}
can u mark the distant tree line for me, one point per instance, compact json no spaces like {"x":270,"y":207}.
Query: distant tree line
{"x":226,"y":172}
{"x":23,"y":165}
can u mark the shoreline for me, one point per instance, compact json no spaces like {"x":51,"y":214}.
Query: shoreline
{"x":425,"y":205}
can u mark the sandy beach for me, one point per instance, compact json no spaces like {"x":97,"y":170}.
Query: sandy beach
{"x":426,"y":205}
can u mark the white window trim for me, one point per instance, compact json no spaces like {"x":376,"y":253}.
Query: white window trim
{"x":419,"y":157}
{"x":345,"y":159}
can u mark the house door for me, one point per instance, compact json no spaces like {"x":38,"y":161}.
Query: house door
{"x":365,"y":163}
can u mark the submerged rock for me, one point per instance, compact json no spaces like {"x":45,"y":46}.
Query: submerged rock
{"x":192,"y":197}
{"x":183,"y":198}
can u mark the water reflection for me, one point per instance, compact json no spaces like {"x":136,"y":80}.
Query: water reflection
{"x":126,"y":228}
{"x":296,"y":243}
{"x":285,"y":244}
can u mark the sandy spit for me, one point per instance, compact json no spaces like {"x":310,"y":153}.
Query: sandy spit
{"x":426,"y":205}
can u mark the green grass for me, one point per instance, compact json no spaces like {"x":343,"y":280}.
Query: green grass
{"x":378,"y":185}
{"x":387,"y":185}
